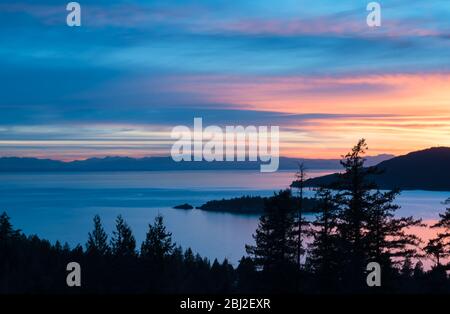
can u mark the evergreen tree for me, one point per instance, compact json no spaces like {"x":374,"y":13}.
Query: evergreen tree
{"x":354,"y":206}
{"x":385,"y":236}
{"x":407,"y":269}
{"x":276,"y":242}
{"x":7,"y":232}
{"x":189,"y":257}
{"x":444,"y":221}
{"x":324,"y":256}
{"x":58,"y":247}
{"x":444,"y":237}
{"x":246,"y":276}
{"x":301,"y":222}
{"x":66,"y":247}
{"x":418,"y":272}
{"x":177,"y":255}
{"x":158,"y":242}
{"x":435,"y":248}
{"x":368,"y":229}
{"x":97,"y":240}
{"x":123,"y":242}
{"x":222,"y":276}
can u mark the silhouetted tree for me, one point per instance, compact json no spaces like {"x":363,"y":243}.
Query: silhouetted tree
{"x":418,"y":271}
{"x":439,"y":248}
{"x":444,"y":221}
{"x":275,"y":251}
{"x":407,"y":269}
{"x":324,"y":256}
{"x":301,"y":222}
{"x":275,"y":238}
{"x":435,"y":248}
{"x":158,"y":242}
{"x":189,"y":257}
{"x":247,"y":276}
{"x":385,"y":236}
{"x":367,"y":227}
{"x":123,"y":242}
{"x":7,"y":232}
{"x":354,"y":206}
{"x":222,"y":276}
{"x":443,"y":238}
{"x":97,"y":243}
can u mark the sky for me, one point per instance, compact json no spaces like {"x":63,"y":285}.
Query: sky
{"x":118,"y":84}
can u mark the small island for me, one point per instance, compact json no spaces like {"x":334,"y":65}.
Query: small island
{"x":184,"y":206}
{"x":248,"y":205}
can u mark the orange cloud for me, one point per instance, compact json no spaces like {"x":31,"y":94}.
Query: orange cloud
{"x":403,"y":112}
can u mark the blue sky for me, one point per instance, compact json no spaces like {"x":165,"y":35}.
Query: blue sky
{"x":134,"y":69}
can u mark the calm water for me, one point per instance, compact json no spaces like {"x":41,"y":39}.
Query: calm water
{"x":61,"y":206}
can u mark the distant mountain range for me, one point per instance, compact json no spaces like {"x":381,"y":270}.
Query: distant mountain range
{"x":26,"y":164}
{"x":427,"y":169}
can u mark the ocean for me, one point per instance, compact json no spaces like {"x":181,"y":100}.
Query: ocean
{"x":60,"y":206}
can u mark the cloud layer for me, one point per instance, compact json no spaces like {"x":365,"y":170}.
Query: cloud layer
{"x":135,"y":69}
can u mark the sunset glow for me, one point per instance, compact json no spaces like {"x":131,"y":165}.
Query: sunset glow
{"x":120,"y":83}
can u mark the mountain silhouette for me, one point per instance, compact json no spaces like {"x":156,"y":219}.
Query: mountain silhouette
{"x":427,"y":169}
{"x":27,"y":164}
